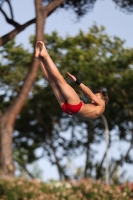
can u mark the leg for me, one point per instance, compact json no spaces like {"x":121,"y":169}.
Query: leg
{"x":55,"y":88}
{"x":67,"y":91}
{"x":61,"y":99}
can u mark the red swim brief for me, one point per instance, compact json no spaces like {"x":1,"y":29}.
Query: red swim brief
{"x":71,"y":109}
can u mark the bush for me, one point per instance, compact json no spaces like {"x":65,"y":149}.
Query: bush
{"x":23,"y":189}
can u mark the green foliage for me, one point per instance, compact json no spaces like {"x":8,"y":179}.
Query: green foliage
{"x":22,"y":189}
{"x":14,"y":64}
{"x":101,"y":62}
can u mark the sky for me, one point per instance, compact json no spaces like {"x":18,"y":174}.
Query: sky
{"x":105,"y":13}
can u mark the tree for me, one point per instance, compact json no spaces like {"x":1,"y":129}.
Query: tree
{"x":125,"y":5}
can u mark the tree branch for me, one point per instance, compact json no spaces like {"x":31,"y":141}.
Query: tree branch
{"x":60,"y":170}
{"x":87,"y":148}
{"x":25,"y":169}
{"x":107,"y":146}
{"x":4,"y":39}
{"x":120,"y":161}
{"x":11,"y":10}
{"x":1,"y":3}
{"x":9,"y":21}
{"x":48,"y":10}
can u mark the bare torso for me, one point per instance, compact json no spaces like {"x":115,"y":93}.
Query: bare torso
{"x":90,"y":111}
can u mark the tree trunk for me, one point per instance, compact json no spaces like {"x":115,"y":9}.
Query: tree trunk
{"x":7,"y":167}
{"x":8,"y":118}
{"x":89,"y":138}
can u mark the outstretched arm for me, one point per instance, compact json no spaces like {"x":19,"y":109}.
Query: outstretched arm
{"x":85,"y":89}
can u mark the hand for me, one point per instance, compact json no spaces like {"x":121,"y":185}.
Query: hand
{"x":71,"y":77}
{"x":40,"y":50}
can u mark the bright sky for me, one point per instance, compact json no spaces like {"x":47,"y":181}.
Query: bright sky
{"x":104,"y":13}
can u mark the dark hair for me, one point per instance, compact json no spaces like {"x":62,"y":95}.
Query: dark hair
{"x":104,"y":96}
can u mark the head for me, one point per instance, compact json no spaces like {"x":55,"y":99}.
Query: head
{"x":103,"y":96}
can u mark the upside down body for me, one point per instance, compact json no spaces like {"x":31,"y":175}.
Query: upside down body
{"x":67,"y":97}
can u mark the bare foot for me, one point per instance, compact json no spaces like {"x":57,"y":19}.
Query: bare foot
{"x":42,"y":49}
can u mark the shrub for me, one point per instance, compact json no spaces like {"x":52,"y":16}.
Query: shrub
{"x":23,"y":189}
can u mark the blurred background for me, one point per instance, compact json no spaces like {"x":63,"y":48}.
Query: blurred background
{"x":92,"y":40}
